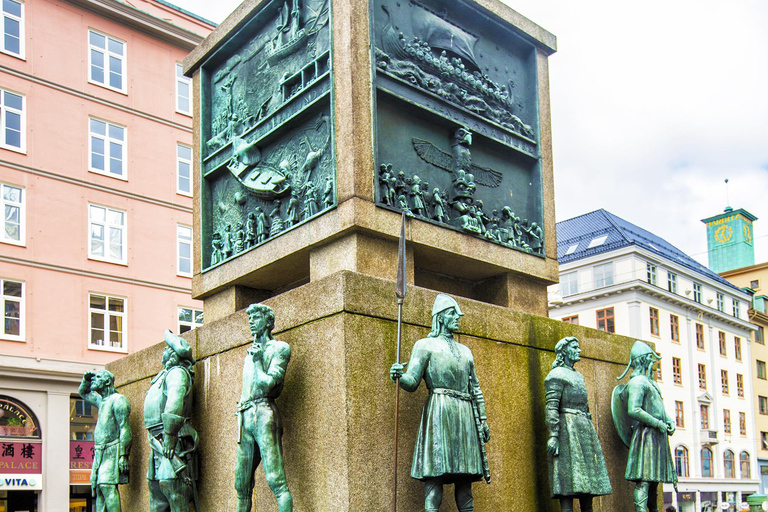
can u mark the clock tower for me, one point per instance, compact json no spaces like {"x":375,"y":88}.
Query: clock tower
{"x":730,"y":240}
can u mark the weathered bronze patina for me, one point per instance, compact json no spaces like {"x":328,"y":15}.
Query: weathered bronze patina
{"x":112,"y":438}
{"x":644,"y":426}
{"x":172,"y":471}
{"x":576,"y":462}
{"x":260,"y":430}
{"x":450,"y":447}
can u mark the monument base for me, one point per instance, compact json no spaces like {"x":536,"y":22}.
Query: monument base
{"x":338,"y":402}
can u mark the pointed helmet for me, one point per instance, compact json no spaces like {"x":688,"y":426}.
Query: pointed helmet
{"x":443,"y":302}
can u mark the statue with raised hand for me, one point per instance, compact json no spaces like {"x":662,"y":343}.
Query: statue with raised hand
{"x":260,"y":430}
{"x":576,"y":462}
{"x":112,"y":438}
{"x":644,"y":426}
{"x":172,"y":471}
{"x":450,"y":447}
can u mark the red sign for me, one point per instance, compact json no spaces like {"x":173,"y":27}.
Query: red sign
{"x":80,"y":454}
{"x":21,"y":458}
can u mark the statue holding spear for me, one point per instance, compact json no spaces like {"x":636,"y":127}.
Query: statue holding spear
{"x":453,"y":430}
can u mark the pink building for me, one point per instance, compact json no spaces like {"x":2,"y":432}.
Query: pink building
{"x":96,"y":234}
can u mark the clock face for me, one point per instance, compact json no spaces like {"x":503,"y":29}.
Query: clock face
{"x":747,"y":233}
{"x":723,"y":234}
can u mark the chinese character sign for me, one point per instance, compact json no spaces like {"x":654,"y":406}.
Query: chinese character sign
{"x":80,"y":454}
{"x":21,"y":458}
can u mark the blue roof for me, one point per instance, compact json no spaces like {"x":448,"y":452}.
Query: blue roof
{"x":582,"y":230}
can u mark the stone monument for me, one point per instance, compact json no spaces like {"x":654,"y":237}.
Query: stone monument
{"x":318,"y":122}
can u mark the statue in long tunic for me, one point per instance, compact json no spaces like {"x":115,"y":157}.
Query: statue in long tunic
{"x":450,"y":443}
{"x":172,"y":470}
{"x":112,"y":438}
{"x":576,"y":462}
{"x":645,"y":427}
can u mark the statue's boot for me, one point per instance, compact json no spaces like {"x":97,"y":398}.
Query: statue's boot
{"x":244,"y":504}
{"x":641,"y":497}
{"x":566,"y":504}
{"x":586,"y":503}
{"x":653,"y":498}
{"x":463,"y":494}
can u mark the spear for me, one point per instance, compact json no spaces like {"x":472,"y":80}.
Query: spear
{"x":400,"y":292}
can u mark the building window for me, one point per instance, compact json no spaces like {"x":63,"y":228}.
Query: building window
{"x":745,"y":466}
{"x":704,"y":409}
{"x":697,"y":292}
{"x":760,"y":335}
{"x":603,"y":275}
{"x":730,"y":471}
{"x":12,"y":121}
{"x":184,"y":250}
{"x":650,"y":271}
{"x":700,"y":336}
{"x":702,"y":376}
{"x":12,"y":199}
{"x":754,"y":284}
{"x":724,"y":380}
{"x":720,"y":302}
{"x":727,"y":421}
{"x":740,"y":385}
{"x":677,"y":372}
{"x":107,"y":322}
{"x":571,"y":319}
{"x":658,"y":371}
{"x":13,"y":28}
{"x":183,"y":91}
{"x":13,"y":309}
{"x":605,"y":320}
{"x":679,"y":414}
{"x":706,"y":463}
{"x":681,"y":461}
{"x":569,"y":283}
{"x":736,"y":308}
{"x":106,"y":56}
{"x":762,"y":404}
{"x":723,"y":345}
{"x":672,"y":282}
{"x":654,"y":318}
{"x":107,"y":234}
{"x":107,"y":148}
{"x":764,"y":440}
{"x":760,"y":369}
{"x":743,"y":423}
{"x":189,"y":319}
{"x":737,"y":348}
{"x":674,"y":327}
{"x":183,"y":169}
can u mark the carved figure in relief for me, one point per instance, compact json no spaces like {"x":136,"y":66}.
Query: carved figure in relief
{"x":250,"y":228}
{"x":262,"y":225}
{"x":112,"y":438}
{"x":239,"y":243}
{"x":275,"y":219}
{"x":386,"y":185}
{"x":644,"y":426}
{"x":172,"y":472}
{"x":418,"y":197}
{"x":401,"y":185}
{"x":438,"y":206}
{"x":227,"y":241}
{"x":260,"y":429}
{"x":292,"y":212}
{"x":402,"y":202}
{"x":328,"y":192}
{"x":576,"y":462}
{"x":536,"y":235}
{"x":450,"y":447}
{"x":217,"y":254}
{"x":310,"y":200}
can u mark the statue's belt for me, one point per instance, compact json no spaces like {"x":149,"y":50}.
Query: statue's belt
{"x":104,"y":446}
{"x":452,"y":393}
{"x":244,"y":406}
{"x":565,"y":410}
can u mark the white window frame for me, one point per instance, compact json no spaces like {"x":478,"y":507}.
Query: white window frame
{"x":4,"y":110}
{"x":697,"y":292}
{"x":21,"y":205}
{"x":569,"y":284}
{"x":108,"y":140}
{"x":606,"y":278}
{"x":123,"y":348}
{"x":736,"y":308}
{"x":193,"y":324}
{"x":672,"y":282}
{"x":720,"y":302}
{"x":183,"y":80}
{"x":179,"y":161}
{"x":651,"y":273}
{"x":106,"y":225}
{"x":20,"y":19}
{"x":180,"y":241}
{"x":11,"y":298}
{"x":107,"y":54}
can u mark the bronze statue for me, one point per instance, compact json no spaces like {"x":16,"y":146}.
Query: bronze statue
{"x":644,"y":426}
{"x":260,"y":430}
{"x":112,"y":438}
{"x":576,"y":463}
{"x":450,"y":443}
{"x":173,"y":442}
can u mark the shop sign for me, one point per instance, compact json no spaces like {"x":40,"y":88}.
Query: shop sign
{"x":21,"y":458}
{"x":81,"y":454}
{"x":686,"y":496}
{"x":79,"y":477}
{"x":21,"y":482}
{"x":16,"y":420}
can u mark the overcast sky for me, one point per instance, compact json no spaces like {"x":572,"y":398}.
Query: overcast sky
{"x":654,"y":105}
